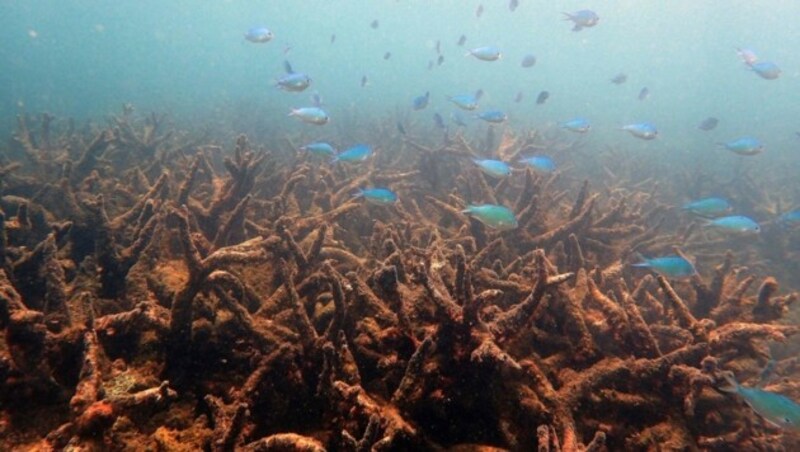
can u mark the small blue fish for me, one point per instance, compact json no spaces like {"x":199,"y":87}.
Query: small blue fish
{"x":578,"y":125}
{"x":420,"y":102}
{"x":493,"y":216}
{"x":320,"y":148}
{"x":487,"y":53}
{"x":675,"y":267}
{"x":466,"y":101}
{"x":357,"y":153}
{"x":790,"y":217}
{"x":259,"y":35}
{"x":744,"y":146}
{"x":584,"y":18}
{"x":766,"y":70}
{"x":310,"y":115}
{"x":528,"y":61}
{"x":540,"y":163}
{"x":708,"y":206}
{"x":643,"y":130}
{"x":736,"y":223}
{"x":493,"y":116}
{"x":747,"y":56}
{"x":293,"y":81}
{"x":779,"y":410}
{"x":316,"y":100}
{"x":377,"y":196}
{"x":494,"y":168}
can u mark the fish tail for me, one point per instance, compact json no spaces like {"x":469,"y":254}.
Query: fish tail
{"x":731,"y":384}
{"x":642,"y":265}
{"x":568,"y":16}
{"x":468,"y":210}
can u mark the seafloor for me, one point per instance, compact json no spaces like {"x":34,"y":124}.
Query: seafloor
{"x":165,"y":289}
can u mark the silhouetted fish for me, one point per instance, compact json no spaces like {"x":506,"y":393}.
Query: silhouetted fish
{"x":528,"y":60}
{"x":259,"y":35}
{"x":440,"y":60}
{"x":619,"y":79}
{"x":375,"y":24}
{"x":462,"y":40}
{"x":387,"y":55}
{"x":512,"y":5}
{"x":364,"y":81}
{"x":644,"y":93}
{"x":438,"y":47}
{"x":542,"y":97}
{"x":438,"y":120}
{"x":518,"y":97}
{"x":479,"y":11}
{"x":708,"y":124}
{"x":333,"y":38}
{"x":400,"y":128}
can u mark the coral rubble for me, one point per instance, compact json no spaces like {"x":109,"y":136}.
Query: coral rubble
{"x":158,"y":293}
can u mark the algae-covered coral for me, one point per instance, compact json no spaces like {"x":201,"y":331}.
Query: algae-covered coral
{"x":168,"y":290}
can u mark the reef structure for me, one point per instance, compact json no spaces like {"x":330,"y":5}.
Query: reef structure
{"x":160,"y":292}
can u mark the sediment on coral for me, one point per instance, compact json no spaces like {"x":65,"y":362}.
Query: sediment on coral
{"x":160,"y":290}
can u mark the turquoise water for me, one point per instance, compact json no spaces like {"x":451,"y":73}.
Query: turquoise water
{"x":84,"y":59}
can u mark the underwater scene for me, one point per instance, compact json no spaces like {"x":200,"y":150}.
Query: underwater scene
{"x":399,"y":225}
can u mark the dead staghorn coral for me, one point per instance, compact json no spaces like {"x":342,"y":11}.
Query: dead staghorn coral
{"x":172,"y":297}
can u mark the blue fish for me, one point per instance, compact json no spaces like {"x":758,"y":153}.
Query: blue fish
{"x":493,"y":116}
{"x":579,"y":125}
{"x":357,"y":153}
{"x":494,"y":168}
{"x":584,"y":18}
{"x":466,"y":101}
{"x":643,"y":130}
{"x":493,"y":216}
{"x":669,"y":266}
{"x":487,"y":53}
{"x":736,"y":223}
{"x":790,"y":217}
{"x":293,"y":81}
{"x":320,"y":148}
{"x":708,"y":206}
{"x":540,"y":163}
{"x":779,"y":410}
{"x":259,"y":35}
{"x":377,"y":196}
{"x":420,"y":102}
{"x":311,"y":115}
{"x":744,"y":146}
{"x":766,"y":70}
{"x":528,"y":61}
{"x":747,"y":56}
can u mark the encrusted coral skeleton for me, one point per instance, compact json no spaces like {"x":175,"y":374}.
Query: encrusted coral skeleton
{"x":150,"y":299}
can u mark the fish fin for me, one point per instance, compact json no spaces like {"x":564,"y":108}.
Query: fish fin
{"x":287,"y":67}
{"x":731,"y":384}
{"x":478,"y":94}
